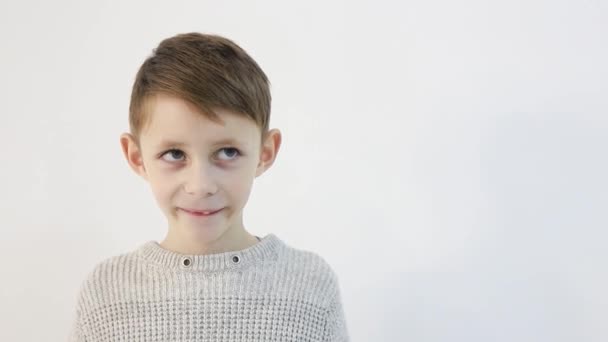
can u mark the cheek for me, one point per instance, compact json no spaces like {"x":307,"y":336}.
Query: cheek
{"x":162,"y":185}
{"x":239,"y":185}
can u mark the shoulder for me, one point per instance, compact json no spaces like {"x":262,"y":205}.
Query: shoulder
{"x":307,"y":260}
{"x":111,"y":267}
{"x":310,"y":269}
{"x":106,"y":278}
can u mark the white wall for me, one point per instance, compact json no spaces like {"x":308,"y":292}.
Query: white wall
{"x":448,"y":158}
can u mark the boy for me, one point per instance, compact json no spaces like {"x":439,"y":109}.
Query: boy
{"x":199,"y":116}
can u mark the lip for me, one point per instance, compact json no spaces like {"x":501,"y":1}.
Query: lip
{"x":203,"y":212}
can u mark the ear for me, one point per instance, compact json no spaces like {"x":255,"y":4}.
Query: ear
{"x":270,"y":148}
{"x":132,"y":152}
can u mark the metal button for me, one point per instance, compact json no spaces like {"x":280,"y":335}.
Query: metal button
{"x":236,"y":259}
{"x":187,"y":262}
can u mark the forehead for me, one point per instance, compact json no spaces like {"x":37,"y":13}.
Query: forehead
{"x":174,"y":120}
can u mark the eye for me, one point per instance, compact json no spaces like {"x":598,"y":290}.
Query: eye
{"x":173,"y":153}
{"x":230,"y":152}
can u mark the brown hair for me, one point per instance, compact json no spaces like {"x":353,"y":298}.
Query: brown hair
{"x":208,"y":71}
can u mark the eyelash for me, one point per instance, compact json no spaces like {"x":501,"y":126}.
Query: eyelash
{"x":238,"y":153}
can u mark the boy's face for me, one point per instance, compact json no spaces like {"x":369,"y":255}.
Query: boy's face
{"x":201,"y":172}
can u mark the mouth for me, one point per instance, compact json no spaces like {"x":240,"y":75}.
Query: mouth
{"x":206,"y":212}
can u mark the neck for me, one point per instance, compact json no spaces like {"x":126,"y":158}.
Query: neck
{"x":233,"y":239}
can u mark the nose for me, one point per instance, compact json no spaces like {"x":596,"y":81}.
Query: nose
{"x":200,"y":181}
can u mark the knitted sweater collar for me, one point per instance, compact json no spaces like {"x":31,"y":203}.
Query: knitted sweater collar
{"x":265,"y":249}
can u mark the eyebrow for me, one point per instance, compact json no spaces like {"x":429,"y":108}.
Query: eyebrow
{"x":175,"y":143}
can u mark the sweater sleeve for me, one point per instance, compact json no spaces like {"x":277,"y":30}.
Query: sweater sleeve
{"x":335,"y":326}
{"x":76,"y":334}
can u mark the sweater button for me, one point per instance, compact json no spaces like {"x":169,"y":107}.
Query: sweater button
{"x":236,"y":259}
{"x":187,"y":262}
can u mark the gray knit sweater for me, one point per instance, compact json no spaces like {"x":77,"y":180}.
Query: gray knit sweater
{"x":267,"y":292}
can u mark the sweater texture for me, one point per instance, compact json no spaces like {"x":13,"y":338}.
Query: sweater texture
{"x":267,"y":292}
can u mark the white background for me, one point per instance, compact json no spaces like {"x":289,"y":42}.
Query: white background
{"x":447,"y":158}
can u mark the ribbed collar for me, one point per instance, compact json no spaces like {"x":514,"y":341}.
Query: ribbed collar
{"x":267,"y":248}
